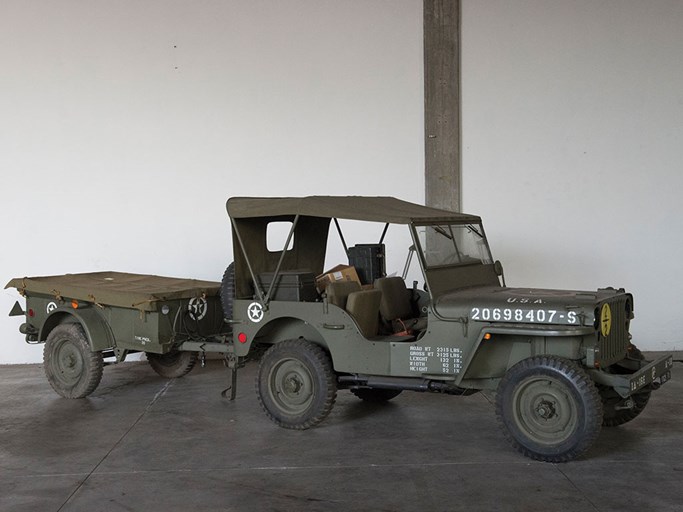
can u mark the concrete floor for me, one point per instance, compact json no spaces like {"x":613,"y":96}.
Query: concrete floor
{"x":144,"y":443}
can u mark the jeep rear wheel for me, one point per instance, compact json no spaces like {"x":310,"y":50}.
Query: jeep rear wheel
{"x":71,"y":368}
{"x":296,"y":385}
{"x":173,"y":364}
{"x":549,"y":409}
{"x":376,"y":395}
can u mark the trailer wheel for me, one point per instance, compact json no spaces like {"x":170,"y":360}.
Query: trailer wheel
{"x":172,"y":364}
{"x":376,"y":395}
{"x":228,"y":290}
{"x":296,"y":384}
{"x":549,"y":409}
{"x":71,"y":367}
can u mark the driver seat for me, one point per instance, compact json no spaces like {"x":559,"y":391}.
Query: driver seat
{"x":396,"y":307}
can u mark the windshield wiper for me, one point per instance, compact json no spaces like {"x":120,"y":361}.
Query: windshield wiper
{"x":473,"y":229}
{"x":443,"y":232}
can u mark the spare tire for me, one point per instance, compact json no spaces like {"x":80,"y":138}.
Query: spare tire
{"x":228,"y":290}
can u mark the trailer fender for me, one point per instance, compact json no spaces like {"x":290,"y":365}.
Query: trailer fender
{"x":95,"y":326}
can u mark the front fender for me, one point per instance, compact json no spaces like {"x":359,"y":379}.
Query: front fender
{"x":499,"y":347}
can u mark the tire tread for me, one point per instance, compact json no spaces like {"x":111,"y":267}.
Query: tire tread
{"x":227,"y":291}
{"x":164,"y":366}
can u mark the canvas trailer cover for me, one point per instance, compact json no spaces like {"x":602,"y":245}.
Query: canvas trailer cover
{"x":116,"y":288}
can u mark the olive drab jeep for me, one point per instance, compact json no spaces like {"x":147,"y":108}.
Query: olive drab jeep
{"x":561,"y":362}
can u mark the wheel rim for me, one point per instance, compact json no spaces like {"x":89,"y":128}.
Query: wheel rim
{"x":69,"y":363}
{"x":290,"y":385}
{"x":545,"y":410}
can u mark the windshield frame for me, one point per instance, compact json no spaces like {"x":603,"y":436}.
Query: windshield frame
{"x":476,"y":228}
{"x":443,"y":278}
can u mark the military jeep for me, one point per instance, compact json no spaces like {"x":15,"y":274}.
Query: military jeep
{"x":561,"y":362}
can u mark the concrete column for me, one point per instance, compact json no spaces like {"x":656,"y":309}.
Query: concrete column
{"x":442,"y":103}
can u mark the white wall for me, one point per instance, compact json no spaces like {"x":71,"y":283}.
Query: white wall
{"x":573,"y":147}
{"x":125,"y":126}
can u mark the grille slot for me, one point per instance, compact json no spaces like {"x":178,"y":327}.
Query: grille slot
{"x":613,"y":346}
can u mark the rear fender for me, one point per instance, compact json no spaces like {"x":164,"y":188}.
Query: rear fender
{"x":95,"y":326}
{"x":287,"y":328}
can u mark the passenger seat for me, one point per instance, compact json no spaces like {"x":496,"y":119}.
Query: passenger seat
{"x":362,"y":305}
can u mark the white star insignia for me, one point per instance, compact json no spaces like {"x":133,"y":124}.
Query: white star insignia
{"x":255,"y":312}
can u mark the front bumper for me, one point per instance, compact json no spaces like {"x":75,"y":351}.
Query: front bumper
{"x":657,"y":372}
{"x":654,"y":374}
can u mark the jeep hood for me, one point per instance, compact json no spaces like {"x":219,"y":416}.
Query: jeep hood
{"x":470,"y":301}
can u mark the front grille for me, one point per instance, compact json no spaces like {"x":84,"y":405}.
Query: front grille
{"x":613,"y":346}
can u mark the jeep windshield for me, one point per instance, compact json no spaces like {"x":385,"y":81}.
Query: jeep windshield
{"x":454,"y":255}
{"x":453,"y":245}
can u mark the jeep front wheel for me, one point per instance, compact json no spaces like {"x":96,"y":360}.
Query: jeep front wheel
{"x":549,"y":409}
{"x":71,"y":368}
{"x":296,"y":385}
{"x":617,"y":411}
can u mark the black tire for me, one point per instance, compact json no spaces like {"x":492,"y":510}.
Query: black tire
{"x":376,"y":395}
{"x":71,"y":368}
{"x":296,"y":385}
{"x":613,"y":417}
{"x":549,"y":409}
{"x":612,"y":404}
{"x":228,"y":290}
{"x":172,"y":364}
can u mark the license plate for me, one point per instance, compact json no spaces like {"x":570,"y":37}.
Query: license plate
{"x":657,"y":371}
